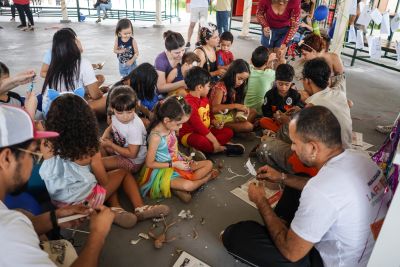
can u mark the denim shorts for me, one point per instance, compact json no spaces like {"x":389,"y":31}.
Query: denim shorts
{"x":277,"y":37}
{"x":124,"y":69}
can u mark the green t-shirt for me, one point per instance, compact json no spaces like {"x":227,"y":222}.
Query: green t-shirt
{"x":260,"y":81}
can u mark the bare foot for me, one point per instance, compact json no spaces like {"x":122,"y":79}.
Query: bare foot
{"x":214,"y":173}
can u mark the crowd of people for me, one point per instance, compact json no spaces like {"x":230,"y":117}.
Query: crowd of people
{"x":163,"y":123}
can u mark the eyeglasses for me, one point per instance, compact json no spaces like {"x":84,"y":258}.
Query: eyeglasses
{"x":37,"y":157}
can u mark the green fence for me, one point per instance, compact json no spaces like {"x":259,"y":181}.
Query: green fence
{"x":139,"y":10}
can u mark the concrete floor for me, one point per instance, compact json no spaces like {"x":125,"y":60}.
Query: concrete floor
{"x":375,"y":92}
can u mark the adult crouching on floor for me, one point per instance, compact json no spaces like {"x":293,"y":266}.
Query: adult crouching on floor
{"x":334,"y":216}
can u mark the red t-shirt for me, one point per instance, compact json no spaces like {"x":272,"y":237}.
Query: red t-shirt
{"x":290,"y":17}
{"x":21,"y":2}
{"x":224,"y":58}
{"x":199,"y":121}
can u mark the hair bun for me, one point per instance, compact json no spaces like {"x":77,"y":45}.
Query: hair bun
{"x":168,"y":34}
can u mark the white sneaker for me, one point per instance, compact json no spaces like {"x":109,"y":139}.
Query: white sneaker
{"x":385,"y":129}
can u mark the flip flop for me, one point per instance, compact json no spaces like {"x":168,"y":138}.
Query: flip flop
{"x":123,"y":218}
{"x":151,"y":211}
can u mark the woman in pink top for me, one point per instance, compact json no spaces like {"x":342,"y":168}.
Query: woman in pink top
{"x":279,"y":20}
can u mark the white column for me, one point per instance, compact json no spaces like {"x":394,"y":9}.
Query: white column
{"x":158,"y":23}
{"x":246,"y":19}
{"x":342,"y":21}
{"x":64,"y":12}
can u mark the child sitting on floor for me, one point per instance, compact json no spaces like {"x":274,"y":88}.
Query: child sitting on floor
{"x":143,"y":80}
{"x":125,"y":139}
{"x":262,"y":76}
{"x":224,"y":54}
{"x":200,"y":132}
{"x":227,"y":96}
{"x":73,"y":170}
{"x":14,"y":99}
{"x":165,"y":167}
{"x":177,"y":74}
{"x":281,"y":100}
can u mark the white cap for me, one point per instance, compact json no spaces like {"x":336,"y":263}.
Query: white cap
{"x":17,"y":127}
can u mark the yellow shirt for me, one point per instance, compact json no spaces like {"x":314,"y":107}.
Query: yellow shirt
{"x":223,"y":5}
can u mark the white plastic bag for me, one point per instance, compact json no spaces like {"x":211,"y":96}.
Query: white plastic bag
{"x":374,"y":47}
{"x":359,"y":40}
{"x":365,"y":17}
{"x":395,"y":23}
{"x":352,"y":34}
{"x":376,"y":16}
{"x":385,"y":25}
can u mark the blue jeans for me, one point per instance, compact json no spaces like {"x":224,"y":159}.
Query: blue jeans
{"x":222,"y":21}
{"x":124,"y":70}
{"x":277,"y":37}
{"x":103,"y":7}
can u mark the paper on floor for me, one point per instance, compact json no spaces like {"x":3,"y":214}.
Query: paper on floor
{"x":358,"y":143}
{"x":241,"y":192}
{"x":187,"y":260}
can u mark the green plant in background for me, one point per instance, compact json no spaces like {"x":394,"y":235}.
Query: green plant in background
{"x":182,"y":4}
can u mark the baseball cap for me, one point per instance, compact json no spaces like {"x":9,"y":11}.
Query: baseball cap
{"x":16,"y":126}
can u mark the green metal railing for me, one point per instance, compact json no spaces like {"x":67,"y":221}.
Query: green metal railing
{"x":137,"y":10}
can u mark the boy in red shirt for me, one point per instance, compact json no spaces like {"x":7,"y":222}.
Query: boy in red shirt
{"x":224,"y":54}
{"x":200,"y":131}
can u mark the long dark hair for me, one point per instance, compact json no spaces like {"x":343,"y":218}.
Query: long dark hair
{"x":65,"y":61}
{"x":173,"y":107}
{"x":229,"y":79}
{"x":143,"y":80}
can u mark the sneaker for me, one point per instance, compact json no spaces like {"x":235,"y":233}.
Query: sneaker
{"x":188,"y":45}
{"x":123,"y":218}
{"x":151,"y":211}
{"x":21,"y":26}
{"x":105,"y":16}
{"x":29,"y":28}
{"x":12,"y":19}
{"x":234,"y":150}
{"x":385,"y":129}
{"x":197,"y":44}
{"x":184,"y":196}
{"x":197,"y":155}
{"x":98,"y":20}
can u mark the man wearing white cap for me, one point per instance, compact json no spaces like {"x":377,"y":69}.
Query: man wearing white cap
{"x":19,"y":244}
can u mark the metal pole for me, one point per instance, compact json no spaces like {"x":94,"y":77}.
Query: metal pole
{"x":78,"y":10}
{"x":342,"y":20}
{"x":64,"y":12}
{"x":158,"y":23}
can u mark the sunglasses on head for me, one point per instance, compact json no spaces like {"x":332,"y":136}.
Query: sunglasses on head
{"x":304,"y":47}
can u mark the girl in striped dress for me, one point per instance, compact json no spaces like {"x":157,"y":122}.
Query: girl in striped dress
{"x":165,"y":168}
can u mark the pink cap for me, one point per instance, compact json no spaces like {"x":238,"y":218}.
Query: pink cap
{"x":16,"y":126}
